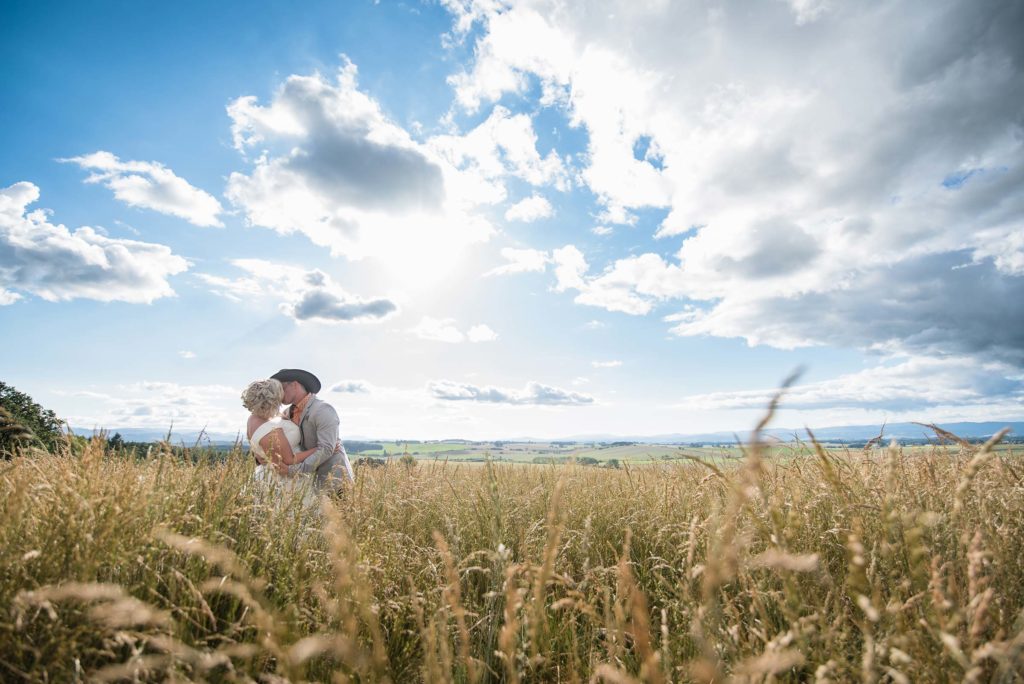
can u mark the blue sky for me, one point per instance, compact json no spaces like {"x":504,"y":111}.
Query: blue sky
{"x":502,"y":219}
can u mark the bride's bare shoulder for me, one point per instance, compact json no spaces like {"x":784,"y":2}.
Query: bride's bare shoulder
{"x":253,"y":424}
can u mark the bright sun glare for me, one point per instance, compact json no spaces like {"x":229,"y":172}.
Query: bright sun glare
{"x":423,"y":252}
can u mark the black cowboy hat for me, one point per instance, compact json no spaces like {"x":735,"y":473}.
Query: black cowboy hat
{"x":304,"y":378}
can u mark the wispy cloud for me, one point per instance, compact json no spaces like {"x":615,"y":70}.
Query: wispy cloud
{"x":304,"y":295}
{"x":438,"y":330}
{"x":533,"y":394}
{"x":151,"y":185}
{"x":917,"y":383}
{"x":447,"y":330}
{"x":521,"y":261}
{"x":351,"y":387}
{"x":159,"y":405}
{"x":605,"y":364}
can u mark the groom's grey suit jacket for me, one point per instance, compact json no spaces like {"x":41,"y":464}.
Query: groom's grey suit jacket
{"x":319,"y":425}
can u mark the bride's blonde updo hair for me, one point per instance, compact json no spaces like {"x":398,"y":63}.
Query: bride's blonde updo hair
{"x":263,"y":398}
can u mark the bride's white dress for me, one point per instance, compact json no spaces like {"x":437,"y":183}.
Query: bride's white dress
{"x":264,"y":471}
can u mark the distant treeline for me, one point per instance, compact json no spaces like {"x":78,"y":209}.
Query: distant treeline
{"x":585,"y":460}
{"x":115,"y":441}
{"x":354,"y":447}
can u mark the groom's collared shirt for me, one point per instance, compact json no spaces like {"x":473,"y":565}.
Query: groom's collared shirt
{"x":298,"y":409}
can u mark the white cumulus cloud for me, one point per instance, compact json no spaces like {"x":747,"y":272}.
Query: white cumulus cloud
{"x":57,"y":264}
{"x":790,"y":235}
{"x":630,"y":286}
{"x":332,"y":166}
{"x":530,"y":209}
{"x":504,"y":144}
{"x":481,"y":333}
{"x":824,"y":166}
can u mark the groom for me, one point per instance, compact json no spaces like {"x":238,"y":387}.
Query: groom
{"x":318,"y":422}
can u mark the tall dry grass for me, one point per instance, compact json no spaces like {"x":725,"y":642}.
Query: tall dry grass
{"x":871,"y":566}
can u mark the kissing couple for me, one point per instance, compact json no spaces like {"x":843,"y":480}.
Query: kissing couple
{"x":300,"y":443}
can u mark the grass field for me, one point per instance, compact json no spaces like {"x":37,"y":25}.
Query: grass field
{"x":891,"y":565}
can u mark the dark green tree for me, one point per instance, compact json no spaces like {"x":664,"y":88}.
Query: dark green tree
{"x":24,"y":422}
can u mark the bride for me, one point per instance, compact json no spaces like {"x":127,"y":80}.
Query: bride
{"x":273,"y":439}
